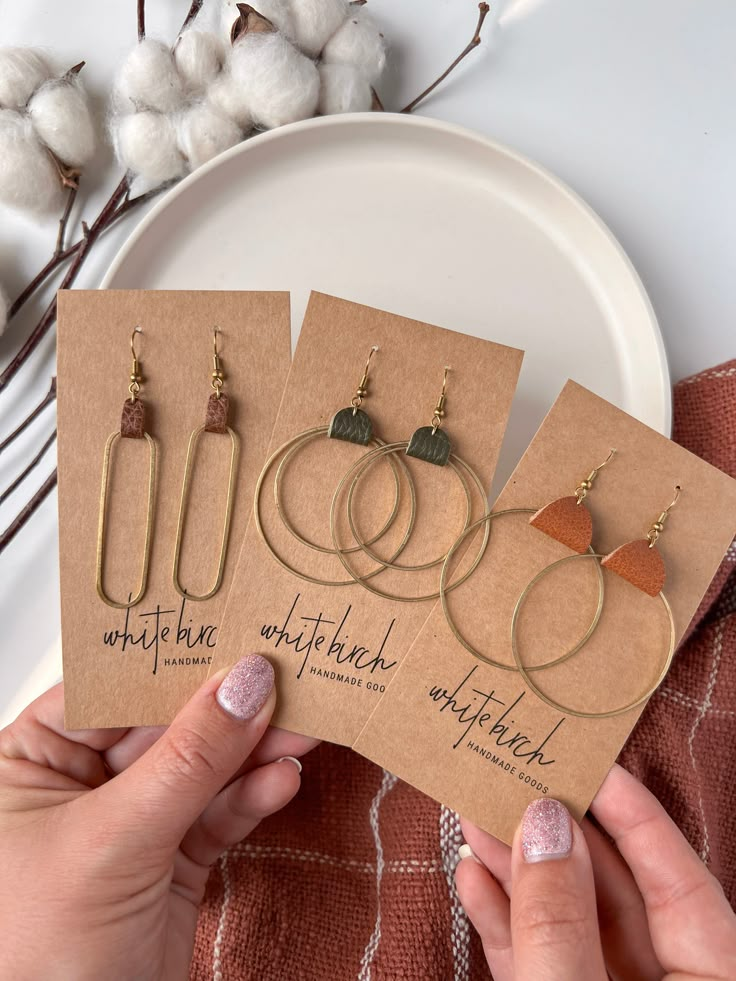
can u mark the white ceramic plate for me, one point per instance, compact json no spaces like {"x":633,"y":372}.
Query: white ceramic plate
{"x":426,"y":220}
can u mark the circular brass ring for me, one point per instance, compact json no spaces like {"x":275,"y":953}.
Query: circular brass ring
{"x":281,"y":561}
{"x":367,"y":462}
{"x":467,"y":645}
{"x":395,"y":448}
{"x":551,"y":701}
{"x":283,"y":464}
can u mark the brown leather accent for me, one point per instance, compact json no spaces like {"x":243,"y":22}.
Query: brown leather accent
{"x":639,"y":564}
{"x":216,"y":421}
{"x":566,"y":521}
{"x":133,"y":421}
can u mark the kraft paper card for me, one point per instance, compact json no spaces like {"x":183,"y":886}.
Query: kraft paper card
{"x":335,"y":647}
{"x":474,"y":736}
{"x":137,"y":666}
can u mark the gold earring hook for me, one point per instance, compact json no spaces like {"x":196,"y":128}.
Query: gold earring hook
{"x":135,"y":375}
{"x":658,"y":527}
{"x":581,"y":491}
{"x":362,"y":389}
{"x":218,"y":376}
{"x":439,"y":409}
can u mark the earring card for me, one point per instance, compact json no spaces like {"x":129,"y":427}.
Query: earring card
{"x":474,"y":736}
{"x":335,"y":647}
{"x":137,"y":666}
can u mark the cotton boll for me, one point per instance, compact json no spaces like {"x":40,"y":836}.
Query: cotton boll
{"x":22,"y":71}
{"x":61,"y":117}
{"x":28,"y":178}
{"x":343,"y":89}
{"x":358,"y":42}
{"x":198,"y":57}
{"x":202,"y":133}
{"x":315,"y":21}
{"x":148,"y":78}
{"x":277,"y":11}
{"x":146,"y":144}
{"x":229,"y":97}
{"x":278,"y":82}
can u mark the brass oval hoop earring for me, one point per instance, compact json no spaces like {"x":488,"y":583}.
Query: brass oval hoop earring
{"x":352,"y":425}
{"x":132,"y":426}
{"x":565,"y":519}
{"x":428,"y":443}
{"x":215,"y":422}
{"x":640,"y":564}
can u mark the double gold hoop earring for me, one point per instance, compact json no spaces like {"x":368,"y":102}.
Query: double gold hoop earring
{"x":432,"y":445}
{"x":132,"y":426}
{"x":352,"y":425}
{"x":569,"y":522}
{"x":641,"y":564}
{"x":215,"y":422}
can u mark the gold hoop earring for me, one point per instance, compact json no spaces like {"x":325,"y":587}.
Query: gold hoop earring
{"x":215,"y":422}
{"x":639,"y":563}
{"x":132,"y":426}
{"x":428,"y":443}
{"x":568,"y":521}
{"x":352,"y":425}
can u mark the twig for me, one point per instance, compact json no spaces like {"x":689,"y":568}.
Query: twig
{"x":193,"y":11}
{"x":28,"y":511}
{"x":48,"y":398}
{"x":54,"y":262}
{"x":31,"y":466}
{"x":141,"y":20}
{"x":64,"y":220}
{"x":105,"y":217}
{"x":483,"y":9}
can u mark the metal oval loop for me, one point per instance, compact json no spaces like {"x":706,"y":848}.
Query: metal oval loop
{"x":102,"y":522}
{"x":193,"y":440}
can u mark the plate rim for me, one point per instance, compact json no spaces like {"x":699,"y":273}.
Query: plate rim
{"x":442,"y":128}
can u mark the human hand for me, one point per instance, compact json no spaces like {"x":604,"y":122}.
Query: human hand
{"x":107,"y":835}
{"x":564,"y":904}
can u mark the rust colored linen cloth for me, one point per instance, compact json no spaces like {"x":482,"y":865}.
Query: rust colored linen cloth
{"x":353,"y":881}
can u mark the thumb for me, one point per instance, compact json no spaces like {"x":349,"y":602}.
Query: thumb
{"x":554,"y":921}
{"x":163,"y":793}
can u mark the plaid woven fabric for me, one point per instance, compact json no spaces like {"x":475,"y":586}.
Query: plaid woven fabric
{"x":353,"y":881}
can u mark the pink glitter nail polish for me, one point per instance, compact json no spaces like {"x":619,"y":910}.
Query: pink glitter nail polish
{"x":247,"y":686}
{"x":546,"y":831}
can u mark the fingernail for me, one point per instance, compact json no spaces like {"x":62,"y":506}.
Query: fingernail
{"x":290,"y":759}
{"x":245,"y":689}
{"x":465,"y":851}
{"x":546,"y":831}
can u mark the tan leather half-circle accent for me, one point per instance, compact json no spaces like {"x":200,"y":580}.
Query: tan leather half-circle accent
{"x":639,"y":564}
{"x":566,"y":521}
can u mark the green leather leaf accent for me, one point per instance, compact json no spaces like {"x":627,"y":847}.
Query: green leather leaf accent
{"x":429,"y":446}
{"x":354,"y":426}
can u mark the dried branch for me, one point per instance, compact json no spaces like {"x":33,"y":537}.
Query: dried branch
{"x":141,"y":20}
{"x":31,"y":466}
{"x":191,"y":15}
{"x":48,"y":398}
{"x":28,"y":511}
{"x":105,"y":217}
{"x":483,"y":9}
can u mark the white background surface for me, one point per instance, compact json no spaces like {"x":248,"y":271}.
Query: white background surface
{"x":630,"y":104}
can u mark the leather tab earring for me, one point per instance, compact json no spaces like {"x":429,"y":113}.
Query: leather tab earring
{"x":567,"y":519}
{"x":431,"y":443}
{"x":639,"y":562}
{"x":132,"y":426}
{"x":215,"y":422}
{"x":353,"y":425}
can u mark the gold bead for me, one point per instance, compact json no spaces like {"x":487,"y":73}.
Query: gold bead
{"x":587,"y":484}
{"x":217,"y":374}
{"x":658,"y":526}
